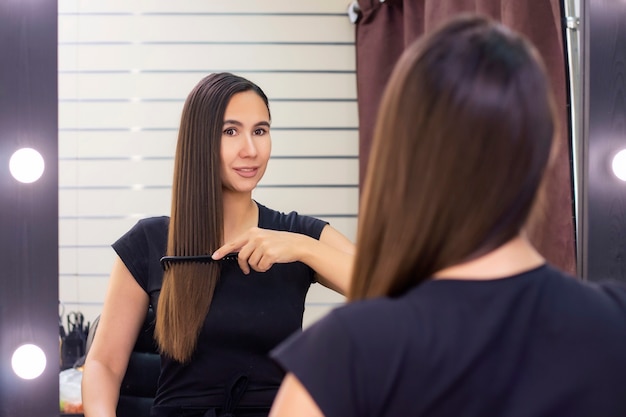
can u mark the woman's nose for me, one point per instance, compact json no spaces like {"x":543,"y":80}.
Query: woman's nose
{"x":248,"y":147}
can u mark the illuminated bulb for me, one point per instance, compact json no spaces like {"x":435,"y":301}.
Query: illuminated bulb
{"x":26,"y":165}
{"x":619,"y":165}
{"x":28,"y":361}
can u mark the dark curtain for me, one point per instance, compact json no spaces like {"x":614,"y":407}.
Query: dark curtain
{"x":385,"y":28}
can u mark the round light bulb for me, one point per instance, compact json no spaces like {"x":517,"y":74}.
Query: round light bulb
{"x":26,"y":165}
{"x":28,"y":361}
{"x":619,"y":165}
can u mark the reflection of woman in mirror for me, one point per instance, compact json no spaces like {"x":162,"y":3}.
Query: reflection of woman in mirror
{"x":235,"y":276}
{"x":453,"y":312}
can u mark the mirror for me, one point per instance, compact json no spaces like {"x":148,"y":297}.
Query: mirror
{"x":125,"y":69}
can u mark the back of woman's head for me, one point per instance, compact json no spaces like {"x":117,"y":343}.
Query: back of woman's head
{"x":462,"y":140}
{"x":196,"y":221}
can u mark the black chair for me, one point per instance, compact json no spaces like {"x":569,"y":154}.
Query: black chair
{"x":140,"y":381}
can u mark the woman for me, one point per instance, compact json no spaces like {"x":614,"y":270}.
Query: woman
{"x":226,"y":275}
{"x":453,"y":312}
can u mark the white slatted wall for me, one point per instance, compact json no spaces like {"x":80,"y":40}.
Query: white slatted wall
{"x":125,"y":68}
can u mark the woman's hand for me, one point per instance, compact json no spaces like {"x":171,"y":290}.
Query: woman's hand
{"x":331,"y":256}
{"x":259,"y":249}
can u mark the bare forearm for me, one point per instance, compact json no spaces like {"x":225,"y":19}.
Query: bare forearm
{"x":334,"y":266}
{"x":100,"y":390}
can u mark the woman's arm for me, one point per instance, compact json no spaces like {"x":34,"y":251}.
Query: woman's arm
{"x":294,"y":400}
{"x":123,"y":313}
{"x":331,"y":256}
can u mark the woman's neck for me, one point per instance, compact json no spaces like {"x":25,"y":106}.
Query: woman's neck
{"x":514,"y":257}
{"x":240,"y":214}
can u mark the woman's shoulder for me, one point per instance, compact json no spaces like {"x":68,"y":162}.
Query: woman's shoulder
{"x":381,"y":317}
{"x":269,"y":215}
{"x":155,"y":222}
{"x":373,"y":328}
{"x":291,"y":221}
{"x":149,"y":229}
{"x":152,"y":227}
{"x":599,"y":291}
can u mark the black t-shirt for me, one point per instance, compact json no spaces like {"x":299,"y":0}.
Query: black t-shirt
{"x":538,"y":344}
{"x":249,"y":315}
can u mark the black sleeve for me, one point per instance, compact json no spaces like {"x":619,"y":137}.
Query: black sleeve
{"x":142,"y":247}
{"x":351,"y":360}
{"x":307,"y":225}
{"x":322,"y":358}
{"x":290,"y":222}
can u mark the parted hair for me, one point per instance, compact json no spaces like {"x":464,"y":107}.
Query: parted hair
{"x":197,"y":218}
{"x":462,"y":140}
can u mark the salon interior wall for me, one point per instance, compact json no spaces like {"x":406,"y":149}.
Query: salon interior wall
{"x":125,"y":68}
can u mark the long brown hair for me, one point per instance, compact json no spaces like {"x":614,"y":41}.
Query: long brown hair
{"x":461,"y":143}
{"x":197,"y":218}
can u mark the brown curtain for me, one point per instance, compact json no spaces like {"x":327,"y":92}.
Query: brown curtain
{"x":385,"y":28}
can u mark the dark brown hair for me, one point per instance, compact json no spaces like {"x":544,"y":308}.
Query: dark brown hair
{"x":462,"y":140}
{"x":197,"y":218}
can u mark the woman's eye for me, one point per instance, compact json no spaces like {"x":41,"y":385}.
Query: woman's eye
{"x":260,"y":132}
{"x":230,"y":131}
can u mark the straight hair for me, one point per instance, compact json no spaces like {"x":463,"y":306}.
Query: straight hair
{"x":197,"y":219}
{"x":463,"y":136}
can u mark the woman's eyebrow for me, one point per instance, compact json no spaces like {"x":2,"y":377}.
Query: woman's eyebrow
{"x":238,"y":123}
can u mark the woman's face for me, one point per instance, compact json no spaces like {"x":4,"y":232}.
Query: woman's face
{"x":246,"y":142}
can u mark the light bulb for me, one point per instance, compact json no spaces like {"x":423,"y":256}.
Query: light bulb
{"x":619,"y":165}
{"x":26,"y":165}
{"x":28,"y":361}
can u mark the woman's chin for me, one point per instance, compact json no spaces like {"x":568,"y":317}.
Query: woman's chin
{"x":240,"y":189}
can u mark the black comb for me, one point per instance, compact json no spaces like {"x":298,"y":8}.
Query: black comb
{"x":167,"y":261}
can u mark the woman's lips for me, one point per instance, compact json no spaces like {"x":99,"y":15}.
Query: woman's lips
{"x":246,"y":172}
